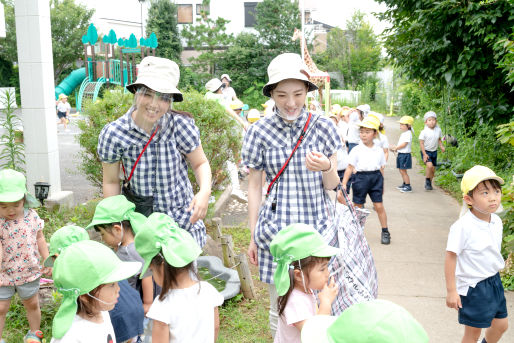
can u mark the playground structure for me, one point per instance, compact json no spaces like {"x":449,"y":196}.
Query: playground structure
{"x":318,"y":77}
{"x":102,"y":68}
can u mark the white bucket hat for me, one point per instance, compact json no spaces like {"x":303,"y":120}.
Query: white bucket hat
{"x":225,"y":76}
{"x":287,"y":66}
{"x":429,"y":114}
{"x":158,"y":74}
{"x":213,"y":85}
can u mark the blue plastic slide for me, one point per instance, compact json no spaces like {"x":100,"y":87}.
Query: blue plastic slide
{"x":70,"y":82}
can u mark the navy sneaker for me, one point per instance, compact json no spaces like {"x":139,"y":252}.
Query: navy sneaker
{"x":406,"y":189}
{"x":428,"y":185}
{"x":400,"y":187}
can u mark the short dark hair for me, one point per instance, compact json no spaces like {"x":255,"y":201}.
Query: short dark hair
{"x":86,"y":304}
{"x":495,"y":184}
{"x":108,"y":226}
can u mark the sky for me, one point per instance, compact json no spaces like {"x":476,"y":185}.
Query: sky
{"x":337,"y":12}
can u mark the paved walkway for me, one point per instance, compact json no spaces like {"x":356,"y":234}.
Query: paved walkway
{"x":411,"y":269}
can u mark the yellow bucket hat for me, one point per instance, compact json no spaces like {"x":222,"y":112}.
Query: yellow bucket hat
{"x":370,"y":123}
{"x":475,"y":175}
{"x":406,"y":120}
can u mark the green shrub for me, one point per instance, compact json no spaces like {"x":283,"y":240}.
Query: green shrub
{"x":220,"y":135}
{"x":253,"y":96}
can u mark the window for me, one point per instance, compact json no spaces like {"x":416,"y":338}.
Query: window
{"x":185,"y":14}
{"x":250,"y":14}
{"x":201,"y":7}
{"x":308,"y":17}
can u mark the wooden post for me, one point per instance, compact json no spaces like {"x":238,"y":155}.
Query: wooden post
{"x":121,"y":68}
{"x":228,"y":251}
{"x":93,"y":62}
{"x":217,"y":229}
{"x":245,"y":277}
{"x":85,"y":60}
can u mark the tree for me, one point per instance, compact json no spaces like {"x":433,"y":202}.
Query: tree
{"x":353,"y":51}
{"x":8,"y":44}
{"x":162,"y":20}
{"x":275,"y":21}
{"x":454,"y":43}
{"x":207,"y":36}
{"x":69,"y":23}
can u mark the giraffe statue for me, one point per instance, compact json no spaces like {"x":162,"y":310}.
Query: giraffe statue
{"x":316,"y":76}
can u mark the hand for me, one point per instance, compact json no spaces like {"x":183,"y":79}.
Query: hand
{"x":252,"y":253}
{"x":46,"y":271}
{"x":340,"y":196}
{"x":425,"y":158}
{"x":393,"y":148}
{"x":453,"y":300}
{"x":443,"y":149}
{"x":329,"y":292}
{"x":199,"y":206}
{"x":146,"y":307}
{"x":316,"y":161}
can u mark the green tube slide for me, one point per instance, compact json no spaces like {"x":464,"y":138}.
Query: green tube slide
{"x":70,"y":82}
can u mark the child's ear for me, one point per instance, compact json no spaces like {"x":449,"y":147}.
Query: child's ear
{"x":468,"y":200}
{"x":117,"y":228}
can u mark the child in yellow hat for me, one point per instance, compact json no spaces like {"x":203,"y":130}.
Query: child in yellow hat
{"x":366,"y":163}
{"x":403,"y":148}
{"x":473,"y":258}
{"x":63,"y":110}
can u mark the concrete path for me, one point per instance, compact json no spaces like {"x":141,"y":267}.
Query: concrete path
{"x":411,"y":269}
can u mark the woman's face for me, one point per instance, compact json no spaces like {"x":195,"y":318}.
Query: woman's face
{"x":151,"y":105}
{"x":289,"y":96}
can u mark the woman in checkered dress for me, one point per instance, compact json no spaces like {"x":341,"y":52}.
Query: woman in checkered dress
{"x":299,"y":194}
{"x":161,"y":171}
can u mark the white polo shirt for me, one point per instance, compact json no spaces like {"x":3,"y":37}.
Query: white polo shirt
{"x":382,"y":141}
{"x":367,"y":159}
{"x":477,"y":244}
{"x":430,"y":137}
{"x":406,"y":136}
{"x":353,"y":128}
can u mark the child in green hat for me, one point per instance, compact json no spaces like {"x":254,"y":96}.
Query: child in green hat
{"x":127,"y":315}
{"x":187,"y":309}
{"x":302,"y":266}
{"x":117,"y":221}
{"x":22,"y":246}
{"x":86,"y":273}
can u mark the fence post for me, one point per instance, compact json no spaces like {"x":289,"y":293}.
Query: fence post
{"x":217,"y":229}
{"x":228,"y":250}
{"x":245,"y":277}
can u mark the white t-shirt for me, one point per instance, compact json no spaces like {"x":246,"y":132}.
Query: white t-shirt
{"x":381,"y":141}
{"x":353,"y":128}
{"x":342,"y":158}
{"x":430,"y":137}
{"x":363,"y":158}
{"x":63,"y":107}
{"x":300,"y":306}
{"x":342,"y":127}
{"x":477,"y":244}
{"x":189,"y":313}
{"x":229,"y":94}
{"x":406,"y":136}
{"x":85,"y":331}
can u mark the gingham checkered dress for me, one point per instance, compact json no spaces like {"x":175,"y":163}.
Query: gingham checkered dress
{"x":299,"y":192}
{"x":162,"y":169}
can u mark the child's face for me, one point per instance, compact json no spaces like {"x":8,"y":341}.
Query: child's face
{"x":108,"y":293}
{"x":485,"y":197}
{"x":157,"y":273}
{"x":431,"y":122}
{"x":12,"y":210}
{"x":318,"y":276}
{"x":367,"y":135}
{"x":334,"y":119}
{"x":112,"y":238}
{"x":404,"y":127}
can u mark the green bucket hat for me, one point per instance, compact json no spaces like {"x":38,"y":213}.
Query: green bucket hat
{"x":115,"y":209}
{"x":62,"y":238}
{"x":161,"y":233}
{"x":80,"y":268}
{"x":293,"y":243}
{"x":13,"y":187}
{"x":376,"y":321}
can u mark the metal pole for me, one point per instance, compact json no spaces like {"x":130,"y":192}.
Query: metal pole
{"x":141,"y":3}
{"x":303,"y":41}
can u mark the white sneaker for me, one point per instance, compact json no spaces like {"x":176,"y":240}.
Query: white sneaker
{"x":238,"y":195}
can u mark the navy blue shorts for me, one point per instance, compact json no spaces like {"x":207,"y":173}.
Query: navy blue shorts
{"x":365,"y":183}
{"x":404,"y":161}
{"x":483,"y":303}
{"x":61,"y":114}
{"x":432,"y":156}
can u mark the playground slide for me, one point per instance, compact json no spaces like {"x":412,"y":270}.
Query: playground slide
{"x":70,"y":82}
